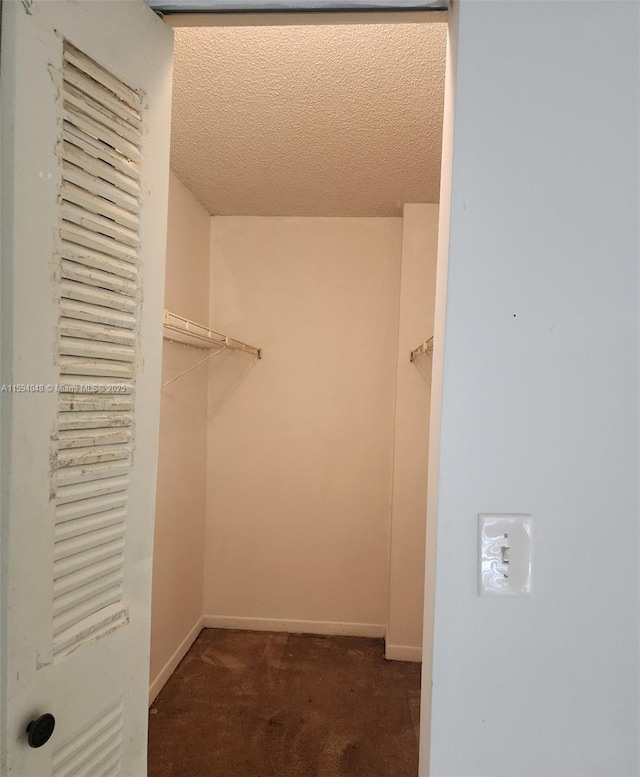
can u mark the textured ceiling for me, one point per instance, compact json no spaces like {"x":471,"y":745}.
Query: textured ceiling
{"x":341,"y":120}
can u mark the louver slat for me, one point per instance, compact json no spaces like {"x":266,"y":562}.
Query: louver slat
{"x":79,"y":579}
{"x":97,"y":354}
{"x":92,"y":506}
{"x":85,"y":525}
{"x":73,"y":492}
{"x":96,"y":223}
{"x":95,"y":204}
{"x":76,"y":598}
{"x":70,"y":308}
{"x":96,"y":369}
{"x":95,"y":751}
{"x":89,"y":258}
{"x":96,"y":167}
{"x":74,"y":174}
{"x":89,"y":331}
{"x":94,"y":296}
{"x":100,"y":402}
{"x":101,"y":95}
{"x":102,"y":76}
{"x":74,"y":346}
{"x":85,"y":543}
{"x":89,"y":238}
{"x":94,"y":455}
{"x":79,"y":418}
{"x":77,"y":614}
{"x":93,"y":473}
{"x":82,"y":103}
{"x":87,"y":559}
{"x":94,"y":128}
{"x":98,"y":278}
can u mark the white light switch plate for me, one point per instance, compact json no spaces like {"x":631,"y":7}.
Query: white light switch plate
{"x":506,"y":554}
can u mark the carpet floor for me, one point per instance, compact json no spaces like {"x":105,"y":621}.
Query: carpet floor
{"x":260,"y":704}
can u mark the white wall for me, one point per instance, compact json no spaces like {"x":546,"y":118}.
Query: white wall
{"x":178,"y":560}
{"x":300,"y":446}
{"x":411,"y":449}
{"x":540,"y":396}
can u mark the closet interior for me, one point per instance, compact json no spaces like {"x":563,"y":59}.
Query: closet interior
{"x":298,"y":337}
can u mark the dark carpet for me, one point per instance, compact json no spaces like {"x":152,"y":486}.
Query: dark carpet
{"x":258,"y":704}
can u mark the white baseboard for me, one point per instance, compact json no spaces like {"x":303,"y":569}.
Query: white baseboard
{"x":402,"y":653}
{"x":330,"y":628}
{"x":170,"y":667}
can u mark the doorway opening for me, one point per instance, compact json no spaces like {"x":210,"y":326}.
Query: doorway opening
{"x":292,"y":488}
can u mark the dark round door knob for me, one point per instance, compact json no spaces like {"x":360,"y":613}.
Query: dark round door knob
{"x":39,"y":731}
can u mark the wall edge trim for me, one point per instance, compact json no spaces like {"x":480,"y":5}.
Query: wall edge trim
{"x":169,"y":668}
{"x":403,"y":653}
{"x":327,"y":628}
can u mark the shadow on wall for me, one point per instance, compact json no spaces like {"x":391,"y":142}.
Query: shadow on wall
{"x":424,"y":368}
{"x":228,"y":370}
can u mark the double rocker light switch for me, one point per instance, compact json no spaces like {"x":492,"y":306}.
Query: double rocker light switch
{"x":505,"y":547}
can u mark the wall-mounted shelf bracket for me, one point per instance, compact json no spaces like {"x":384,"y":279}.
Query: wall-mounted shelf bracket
{"x":423,"y":348}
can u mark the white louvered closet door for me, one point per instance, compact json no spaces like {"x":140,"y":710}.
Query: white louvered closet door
{"x":86,"y":90}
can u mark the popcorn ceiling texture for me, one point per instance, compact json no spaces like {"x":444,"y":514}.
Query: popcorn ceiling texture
{"x":341,"y":120}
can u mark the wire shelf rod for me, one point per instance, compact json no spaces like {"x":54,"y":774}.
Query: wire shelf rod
{"x":182,"y":330}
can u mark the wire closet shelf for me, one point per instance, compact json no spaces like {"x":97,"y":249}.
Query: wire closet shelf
{"x":182,"y":330}
{"x":426,"y":348}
